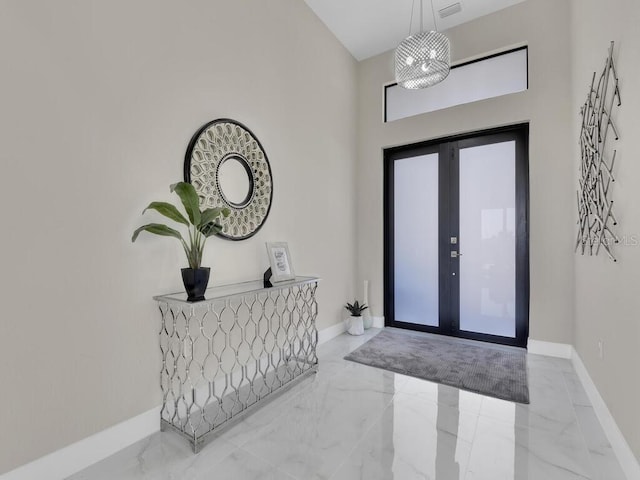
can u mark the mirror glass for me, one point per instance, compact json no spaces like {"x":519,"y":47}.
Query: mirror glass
{"x":235,"y":181}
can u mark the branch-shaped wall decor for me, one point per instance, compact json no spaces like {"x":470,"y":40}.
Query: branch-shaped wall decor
{"x":595,"y":205}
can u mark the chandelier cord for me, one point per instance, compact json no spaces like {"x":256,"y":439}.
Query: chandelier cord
{"x":422,"y":16}
{"x":413,"y":4}
{"x":433,"y":12}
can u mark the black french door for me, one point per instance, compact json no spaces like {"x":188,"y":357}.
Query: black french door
{"x":457,"y":236}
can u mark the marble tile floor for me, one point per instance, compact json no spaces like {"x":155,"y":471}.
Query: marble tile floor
{"x":352,"y":422}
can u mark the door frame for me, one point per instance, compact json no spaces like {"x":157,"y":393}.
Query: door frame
{"x":448,"y":202}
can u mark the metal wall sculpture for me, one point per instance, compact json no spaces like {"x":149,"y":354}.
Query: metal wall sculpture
{"x":595,"y":205}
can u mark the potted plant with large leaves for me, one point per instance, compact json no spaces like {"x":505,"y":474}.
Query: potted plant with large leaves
{"x":201,"y":224}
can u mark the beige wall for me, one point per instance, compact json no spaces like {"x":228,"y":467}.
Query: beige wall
{"x":607,"y":294}
{"x":99,"y":100}
{"x":545,"y":105}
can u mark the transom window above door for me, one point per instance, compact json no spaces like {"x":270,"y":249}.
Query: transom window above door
{"x":488,"y":77}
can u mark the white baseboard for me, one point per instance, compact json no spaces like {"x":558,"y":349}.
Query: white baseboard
{"x":80,"y":455}
{"x":333,"y":331}
{"x":626,"y":457}
{"x":550,"y":349}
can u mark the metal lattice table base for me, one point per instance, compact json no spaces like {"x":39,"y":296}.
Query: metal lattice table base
{"x":227,"y":355}
{"x":200,"y":438}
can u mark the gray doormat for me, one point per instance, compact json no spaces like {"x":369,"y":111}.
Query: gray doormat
{"x":495,"y":371}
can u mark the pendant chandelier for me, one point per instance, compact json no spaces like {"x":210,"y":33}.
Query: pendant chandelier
{"x":423,"y":59}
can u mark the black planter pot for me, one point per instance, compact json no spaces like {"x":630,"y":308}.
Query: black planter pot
{"x":195,"y":282}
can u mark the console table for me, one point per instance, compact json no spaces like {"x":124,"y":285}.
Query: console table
{"x":224,"y":356}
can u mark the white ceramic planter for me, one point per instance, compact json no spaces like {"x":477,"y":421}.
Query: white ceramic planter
{"x":355,"y":326}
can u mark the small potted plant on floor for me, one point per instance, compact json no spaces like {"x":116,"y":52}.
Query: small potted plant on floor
{"x":355,"y":325}
{"x":201,"y":224}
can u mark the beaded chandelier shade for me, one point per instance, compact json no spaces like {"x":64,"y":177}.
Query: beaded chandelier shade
{"x":422,"y":60}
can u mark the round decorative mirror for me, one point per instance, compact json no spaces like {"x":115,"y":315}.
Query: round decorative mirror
{"x":228,"y":167}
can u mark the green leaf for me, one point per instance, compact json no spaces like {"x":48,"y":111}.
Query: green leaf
{"x":211,"y":229}
{"x":190,"y":200}
{"x":168,"y":211}
{"x":210,"y":214}
{"x":157,"y":229}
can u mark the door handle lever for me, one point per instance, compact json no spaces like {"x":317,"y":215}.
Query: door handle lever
{"x":455,"y":254}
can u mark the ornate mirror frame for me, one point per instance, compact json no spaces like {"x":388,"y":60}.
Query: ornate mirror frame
{"x":211,"y":146}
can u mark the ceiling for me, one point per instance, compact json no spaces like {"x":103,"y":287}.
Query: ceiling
{"x":370,"y":27}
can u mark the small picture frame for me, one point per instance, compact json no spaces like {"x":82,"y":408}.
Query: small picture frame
{"x":280,"y":262}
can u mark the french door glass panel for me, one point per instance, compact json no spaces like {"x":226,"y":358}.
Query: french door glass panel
{"x":416,"y":240}
{"x":487,"y":232}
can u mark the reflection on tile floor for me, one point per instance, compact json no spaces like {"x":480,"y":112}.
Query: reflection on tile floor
{"x":351,"y":421}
